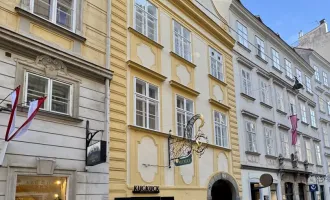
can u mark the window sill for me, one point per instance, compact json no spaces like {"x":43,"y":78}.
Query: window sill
{"x":49,"y":24}
{"x":143,"y":37}
{"x":290,"y":78}
{"x":244,"y":47}
{"x":247,"y":96}
{"x":305,"y":123}
{"x":326,"y":86}
{"x":261,"y":59}
{"x":317,"y":165}
{"x":217,"y":80}
{"x":317,"y":81}
{"x":49,"y":114}
{"x":138,"y":128}
{"x":309,"y":92}
{"x":182,"y":59}
{"x":145,"y":70}
{"x":315,"y":128}
{"x":327,"y":147}
{"x":270,"y":156}
{"x":278,"y":70}
{"x":266,"y":105}
{"x":219,"y":147}
{"x":184,"y":88}
{"x":281,"y":112}
{"x":252,"y":153}
{"x":219,"y":104}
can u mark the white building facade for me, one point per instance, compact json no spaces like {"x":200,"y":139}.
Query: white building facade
{"x":265,"y":67}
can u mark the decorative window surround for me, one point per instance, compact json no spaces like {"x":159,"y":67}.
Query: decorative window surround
{"x":263,"y":73}
{"x":184,"y":88}
{"x":249,"y":114}
{"x":320,"y":89}
{"x":266,"y":105}
{"x":246,"y":62}
{"x":267,"y":121}
{"x":145,"y":70}
{"x":283,"y":126}
{"x":261,"y":59}
{"x":219,"y":105}
{"x":302,"y":97}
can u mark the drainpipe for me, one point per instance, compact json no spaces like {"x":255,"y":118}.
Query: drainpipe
{"x":107,"y":81}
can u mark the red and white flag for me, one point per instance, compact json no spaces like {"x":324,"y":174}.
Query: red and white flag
{"x":294,"y":123}
{"x":11,"y":122}
{"x":33,"y":109}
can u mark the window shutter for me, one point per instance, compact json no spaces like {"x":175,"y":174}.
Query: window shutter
{"x":79,"y":17}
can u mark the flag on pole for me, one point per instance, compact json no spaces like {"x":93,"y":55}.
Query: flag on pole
{"x":294,"y":123}
{"x":33,"y":109}
{"x":12,"y":118}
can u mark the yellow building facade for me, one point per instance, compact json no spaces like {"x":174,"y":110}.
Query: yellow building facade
{"x":171,"y":60}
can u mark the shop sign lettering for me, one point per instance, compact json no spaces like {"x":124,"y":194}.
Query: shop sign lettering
{"x":145,"y":189}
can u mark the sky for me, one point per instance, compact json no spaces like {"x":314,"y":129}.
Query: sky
{"x":288,"y":17}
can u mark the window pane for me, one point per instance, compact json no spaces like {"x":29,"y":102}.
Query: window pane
{"x":42,"y":8}
{"x":180,"y":123}
{"x":189,"y":106}
{"x":153,"y":92}
{"x":139,"y":20}
{"x":60,"y":97}
{"x":40,"y":188}
{"x":37,"y":87}
{"x":153,"y":115}
{"x":140,"y":87}
{"x":141,"y":115}
{"x":180,"y":102}
{"x":64,"y":13}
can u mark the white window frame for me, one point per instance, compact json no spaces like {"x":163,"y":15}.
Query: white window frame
{"x":308,"y":84}
{"x":292,"y":106}
{"x":318,"y":154}
{"x":288,"y":67}
{"x":313,"y":118}
{"x":147,"y":99}
{"x":242,"y":34}
{"x":322,"y":105}
{"x":223,"y":124}
{"x":298,"y":148}
{"x":285,"y":139}
{"x":248,"y":89}
{"x":145,"y":12}
{"x":182,"y":41}
{"x":308,"y":151}
{"x":299,"y":75}
{"x":326,"y":137}
{"x":280,"y":99}
{"x":185,"y":112}
{"x":317,"y":74}
{"x":303,"y":113}
{"x":265,"y":92}
{"x":253,"y":142}
{"x":328,"y":103}
{"x":53,"y":13}
{"x":276,"y":59}
{"x":269,"y":141}
{"x":260,"y":48}
{"x":325,"y":78}
{"x":218,"y":70}
{"x":48,"y":101}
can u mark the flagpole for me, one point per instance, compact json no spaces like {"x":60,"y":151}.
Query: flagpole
{"x":9,"y":95}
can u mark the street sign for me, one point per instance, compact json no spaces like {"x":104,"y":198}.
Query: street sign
{"x":183,"y":160}
{"x":313,"y":188}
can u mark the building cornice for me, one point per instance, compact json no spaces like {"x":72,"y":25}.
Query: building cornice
{"x":282,"y":126}
{"x":196,"y":14}
{"x":32,"y":48}
{"x":237,"y":8}
{"x":249,"y":114}
{"x":267,"y":121}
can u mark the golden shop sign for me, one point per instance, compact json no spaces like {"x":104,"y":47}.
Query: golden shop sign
{"x":145,"y":189}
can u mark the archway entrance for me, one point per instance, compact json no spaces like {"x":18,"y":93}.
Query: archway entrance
{"x":221,"y":190}
{"x":222,"y":186}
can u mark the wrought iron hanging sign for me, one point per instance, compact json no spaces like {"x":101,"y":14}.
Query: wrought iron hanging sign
{"x":182,"y":148}
{"x":95,"y":153}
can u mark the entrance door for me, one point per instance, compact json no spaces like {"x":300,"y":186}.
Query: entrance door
{"x":313,"y":196}
{"x":221,"y":190}
{"x":322,"y":192}
{"x":289,"y":191}
{"x":301,"y":191}
{"x":255,"y":194}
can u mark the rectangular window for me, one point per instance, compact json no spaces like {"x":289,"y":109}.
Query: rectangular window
{"x":146,"y":105}
{"x":59,"y":95}
{"x":325,"y":79}
{"x":279,"y":99}
{"x":303,"y":113}
{"x":308,"y":84}
{"x":242,"y":34}
{"x":292,"y":106}
{"x":328,"y":103}
{"x":318,"y":154}
{"x":317,"y":74}
{"x":276,"y":59}
{"x":264,"y":92}
{"x":325,"y":136}
{"x":269,"y":140}
{"x":184,"y":111}
{"x":288,"y":68}
{"x":322,"y":105}
{"x":220,"y":127}
{"x":285,"y":145}
{"x":246,"y":82}
{"x":313,"y":119}
{"x":299,"y":76}
{"x":308,"y":151}
{"x":182,"y":41}
{"x":288,"y":190}
{"x":60,"y":12}
{"x":260,"y":48}
{"x":41,"y":187}
{"x":216,"y":64}
{"x":145,"y":18}
{"x":250,"y":128}
{"x":298,"y":149}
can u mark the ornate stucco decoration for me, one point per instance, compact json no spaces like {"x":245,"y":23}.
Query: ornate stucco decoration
{"x":52,"y":66}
